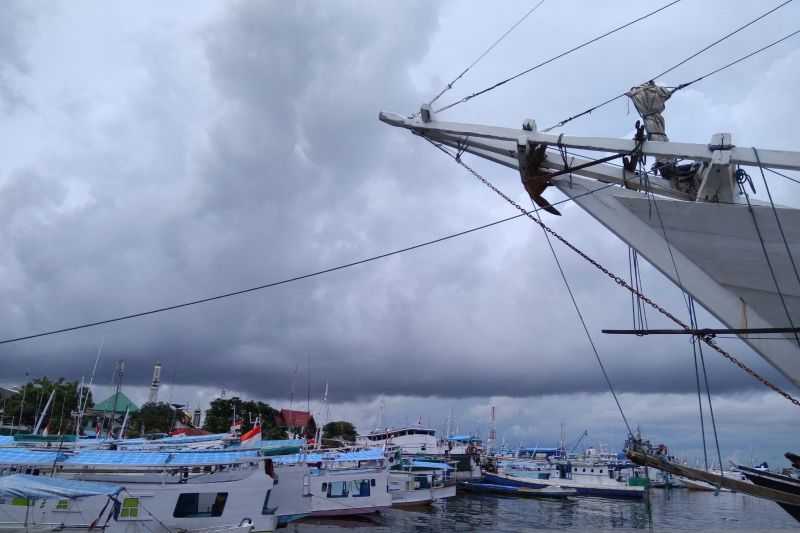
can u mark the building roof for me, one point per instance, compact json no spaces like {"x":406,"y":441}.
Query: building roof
{"x":294,"y":419}
{"x":123,"y":403}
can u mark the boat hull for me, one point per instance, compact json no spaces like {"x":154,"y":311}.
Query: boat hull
{"x":581,"y":488}
{"x":492,"y":488}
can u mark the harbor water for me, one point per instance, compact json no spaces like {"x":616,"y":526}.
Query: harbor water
{"x":667,"y":510}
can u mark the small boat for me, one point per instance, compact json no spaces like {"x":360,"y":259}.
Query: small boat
{"x":779,"y":482}
{"x":494,"y":488}
{"x":420,"y":482}
{"x":601,"y":487}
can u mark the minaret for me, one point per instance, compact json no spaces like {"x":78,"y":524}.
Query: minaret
{"x":490,"y":442}
{"x":153,"y":397}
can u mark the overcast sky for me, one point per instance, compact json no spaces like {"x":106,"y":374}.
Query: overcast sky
{"x":158,"y":152}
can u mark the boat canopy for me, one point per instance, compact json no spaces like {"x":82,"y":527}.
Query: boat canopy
{"x":462,"y":438}
{"x":21,"y":456}
{"x":430,"y":465}
{"x":26,"y":486}
{"x":375,"y":454}
{"x":139,"y":459}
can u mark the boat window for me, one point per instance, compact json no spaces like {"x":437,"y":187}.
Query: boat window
{"x":324,"y":487}
{"x":194,"y":504}
{"x":592,"y":470}
{"x":62,"y":505}
{"x":601,"y":470}
{"x":266,"y":509}
{"x":584,"y":470}
{"x":20,"y":501}
{"x":130,"y":508}
{"x":359,"y":488}
{"x":422,"y":482}
{"x":372,"y":482}
{"x":337,"y":489}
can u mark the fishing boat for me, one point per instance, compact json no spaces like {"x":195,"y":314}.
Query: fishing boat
{"x":599,"y":482}
{"x":516,"y":490}
{"x":417,"y":441}
{"x":162,"y":491}
{"x":347,"y":483}
{"x":415,"y":482}
{"x":783,"y":483}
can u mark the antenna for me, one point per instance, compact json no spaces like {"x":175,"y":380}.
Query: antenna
{"x":308,"y":385}
{"x":82,"y":405}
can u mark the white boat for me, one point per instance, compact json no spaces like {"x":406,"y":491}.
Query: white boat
{"x":161,"y":491}
{"x":341,"y":483}
{"x":421,"y":442}
{"x":42,"y":503}
{"x":416,"y":482}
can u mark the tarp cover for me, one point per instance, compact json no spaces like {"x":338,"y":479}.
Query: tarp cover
{"x":25,"y":486}
{"x":373,"y":454}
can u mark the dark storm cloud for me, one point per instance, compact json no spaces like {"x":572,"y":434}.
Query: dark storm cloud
{"x":267,"y":161}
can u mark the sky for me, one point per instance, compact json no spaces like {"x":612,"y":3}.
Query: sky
{"x":162,"y":152}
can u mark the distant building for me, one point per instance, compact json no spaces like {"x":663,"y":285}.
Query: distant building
{"x":109,"y":413}
{"x":297,"y":423}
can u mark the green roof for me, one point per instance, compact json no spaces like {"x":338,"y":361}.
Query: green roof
{"x":123,"y":403}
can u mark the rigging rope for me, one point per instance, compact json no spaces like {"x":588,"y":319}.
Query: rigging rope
{"x":457,"y":158}
{"x":782,"y":175}
{"x":679,"y":87}
{"x":586,"y":330}
{"x":292,"y":279}
{"x":554,"y":58}
{"x":723,"y":38}
{"x":777,"y":218}
{"x":695,"y":344}
{"x":742,"y":175}
{"x":485,"y":52}
{"x":693,"y":320}
{"x":621,"y":282}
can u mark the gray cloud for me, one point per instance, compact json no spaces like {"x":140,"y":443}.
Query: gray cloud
{"x":243,"y":147}
{"x":15,"y":24}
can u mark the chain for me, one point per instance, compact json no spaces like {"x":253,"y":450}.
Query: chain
{"x":620,"y":281}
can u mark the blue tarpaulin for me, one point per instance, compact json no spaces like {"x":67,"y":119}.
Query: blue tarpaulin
{"x":25,"y":486}
{"x":365,"y":455}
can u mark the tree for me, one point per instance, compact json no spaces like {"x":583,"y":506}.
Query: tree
{"x":339,"y":430}
{"x":153,"y":417}
{"x":24,"y":408}
{"x":219,"y":417}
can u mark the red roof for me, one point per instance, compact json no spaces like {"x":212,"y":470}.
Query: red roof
{"x":294,"y":419}
{"x":190,"y":432}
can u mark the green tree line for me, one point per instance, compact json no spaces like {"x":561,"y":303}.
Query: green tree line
{"x":23,"y":408}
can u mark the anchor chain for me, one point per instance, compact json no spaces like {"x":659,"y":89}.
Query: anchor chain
{"x":620,"y":281}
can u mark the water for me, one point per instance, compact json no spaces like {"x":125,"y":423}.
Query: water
{"x":674,"y":510}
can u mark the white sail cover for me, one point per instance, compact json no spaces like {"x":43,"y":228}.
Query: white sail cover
{"x":26,"y":486}
{"x":712,"y":251}
{"x":650,"y":101}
